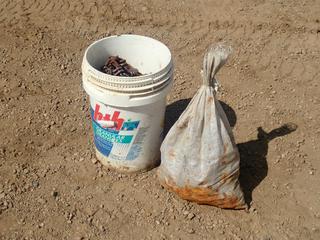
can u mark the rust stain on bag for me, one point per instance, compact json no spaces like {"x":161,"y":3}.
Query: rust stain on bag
{"x":210,"y":100}
{"x":206,"y":196}
{"x":225,"y":159}
{"x":172,"y":154}
{"x":224,"y":148}
{"x":224,"y":178}
{"x":183,"y":124}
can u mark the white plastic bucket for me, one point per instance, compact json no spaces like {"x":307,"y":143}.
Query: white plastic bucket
{"x":128,"y":112}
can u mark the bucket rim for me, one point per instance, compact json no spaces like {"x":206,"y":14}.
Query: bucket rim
{"x":86,"y":66}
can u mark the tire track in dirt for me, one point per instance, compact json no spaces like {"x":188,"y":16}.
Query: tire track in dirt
{"x":87,"y":21}
{"x":26,"y":4}
{"x":32,"y":8}
{"x":49,"y":8}
{"x":43,"y":9}
{"x":80,"y":6}
{"x":4,"y":4}
{"x":5,"y":7}
{"x":88,"y":17}
{"x":15,"y":12}
{"x":78,"y":16}
{"x":286,"y":68}
{"x":42,"y":6}
{"x":11,"y":10}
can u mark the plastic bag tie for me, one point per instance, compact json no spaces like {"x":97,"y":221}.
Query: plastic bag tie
{"x":214,"y":59}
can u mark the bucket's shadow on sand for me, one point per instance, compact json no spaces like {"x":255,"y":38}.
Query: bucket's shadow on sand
{"x":253,"y":154}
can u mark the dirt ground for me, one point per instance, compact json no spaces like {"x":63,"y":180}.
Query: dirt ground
{"x":51,"y":186}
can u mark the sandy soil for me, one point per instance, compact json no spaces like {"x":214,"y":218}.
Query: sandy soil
{"x":51,"y":186}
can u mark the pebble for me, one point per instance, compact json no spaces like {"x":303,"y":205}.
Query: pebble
{"x":314,"y":229}
{"x":2,"y":151}
{"x":191,"y":216}
{"x":79,"y":238}
{"x":277,"y":160}
{"x":101,"y":228}
{"x":35,"y":184}
{"x":94,"y":160}
{"x":41,"y":201}
{"x":2,"y":195}
{"x":89,"y":219}
{"x":252,"y":209}
{"x":54,"y":193}
{"x":185,"y":213}
{"x":191,"y":231}
{"x":266,"y":238}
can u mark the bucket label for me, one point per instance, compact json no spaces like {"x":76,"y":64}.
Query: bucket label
{"x":118,"y":134}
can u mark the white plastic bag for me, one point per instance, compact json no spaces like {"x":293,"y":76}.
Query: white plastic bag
{"x":199,"y":157}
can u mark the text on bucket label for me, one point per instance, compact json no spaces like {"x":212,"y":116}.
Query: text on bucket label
{"x":123,"y":140}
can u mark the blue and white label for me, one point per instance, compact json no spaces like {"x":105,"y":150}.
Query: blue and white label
{"x":118,"y":134}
